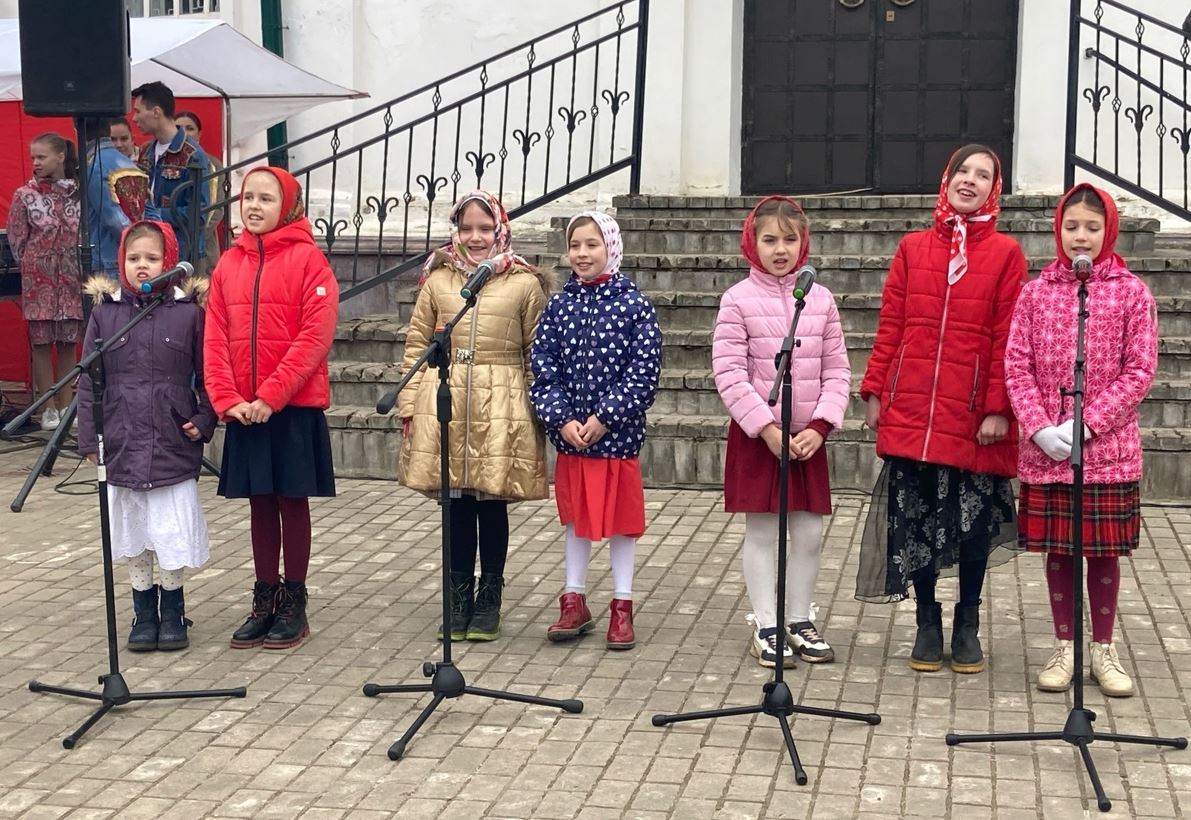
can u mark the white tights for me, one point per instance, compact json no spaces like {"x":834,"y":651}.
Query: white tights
{"x":140,"y":570}
{"x":621,"y":551}
{"x":802,"y":566}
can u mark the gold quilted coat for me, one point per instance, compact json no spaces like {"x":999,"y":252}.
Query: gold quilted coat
{"x":497,"y":445}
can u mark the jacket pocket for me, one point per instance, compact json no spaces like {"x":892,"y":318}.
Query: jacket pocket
{"x":975,"y":385}
{"x":896,"y":374}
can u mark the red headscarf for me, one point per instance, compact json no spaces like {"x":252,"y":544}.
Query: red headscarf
{"x":949,"y":219}
{"x":748,"y":236}
{"x":1112,"y":226}
{"x":292,"y":209}
{"x":169,"y":241}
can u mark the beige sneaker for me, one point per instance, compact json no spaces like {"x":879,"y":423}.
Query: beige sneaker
{"x":1056,"y":674}
{"x":1108,"y":672}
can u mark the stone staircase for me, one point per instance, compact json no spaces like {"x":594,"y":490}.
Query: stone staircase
{"x":684,"y":251}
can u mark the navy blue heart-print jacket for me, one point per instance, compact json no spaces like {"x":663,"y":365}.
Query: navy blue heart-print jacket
{"x":598,"y":350}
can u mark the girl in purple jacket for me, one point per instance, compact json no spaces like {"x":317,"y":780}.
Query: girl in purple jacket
{"x":754,"y":318}
{"x":156,"y":418}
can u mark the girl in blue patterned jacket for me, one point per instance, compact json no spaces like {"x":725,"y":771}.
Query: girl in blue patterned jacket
{"x":596,"y":363}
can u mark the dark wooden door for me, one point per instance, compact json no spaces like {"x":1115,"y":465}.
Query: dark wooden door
{"x":873,"y":94}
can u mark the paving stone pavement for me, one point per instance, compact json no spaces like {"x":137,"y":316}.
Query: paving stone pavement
{"x":306,"y":742}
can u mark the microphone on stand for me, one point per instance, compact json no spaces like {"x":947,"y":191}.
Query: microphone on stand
{"x":478,"y":279}
{"x":1082,"y":266}
{"x":183,"y":270}
{"x":804,"y":281}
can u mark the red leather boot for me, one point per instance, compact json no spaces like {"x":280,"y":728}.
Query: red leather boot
{"x":620,"y":625}
{"x":575,"y":618}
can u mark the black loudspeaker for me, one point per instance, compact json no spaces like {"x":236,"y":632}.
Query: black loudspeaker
{"x":74,"y":57}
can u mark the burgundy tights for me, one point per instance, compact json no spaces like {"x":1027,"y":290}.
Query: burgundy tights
{"x":1104,"y":585}
{"x":280,"y":524}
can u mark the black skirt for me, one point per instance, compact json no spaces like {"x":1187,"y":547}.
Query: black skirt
{"x":288,"y":455}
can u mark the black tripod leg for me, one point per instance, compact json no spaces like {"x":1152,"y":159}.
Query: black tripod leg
{"x":69,"y":741}
{"x":955,"y":740}
{"x":210,"y":467}
{"x":238,"y":692}
{"x":1173,"y":742}
{"x":373,"y":689}
{"x":398,"y":748}
{"x":662,"y":720}
{"x":44,"y":465}
{"x":1102,"y":800}
{"x":799,"y":772}
{"x":572,"y":706}
{"x":38,"y":686}
{"x":871,"y":718}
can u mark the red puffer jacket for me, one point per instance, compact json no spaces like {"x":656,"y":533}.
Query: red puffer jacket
{"x":938,"y":361}
{"x":271,"y":320}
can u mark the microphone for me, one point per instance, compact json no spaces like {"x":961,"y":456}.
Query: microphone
{"x":184,"y":269}
{"x":805,"y":281}
{"x":478,"y":279}
{"x":1082,"y":266}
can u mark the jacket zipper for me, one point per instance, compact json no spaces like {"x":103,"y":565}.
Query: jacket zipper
{"x":471,"y":343}
{"x":934,"y":387}
{"x":256,"y":294}
{"x":975,"y":385}
{"x":896,"y":375}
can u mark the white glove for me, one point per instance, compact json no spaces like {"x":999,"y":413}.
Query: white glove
{"x":1068,"y":428}
{"x":1055,"y":441}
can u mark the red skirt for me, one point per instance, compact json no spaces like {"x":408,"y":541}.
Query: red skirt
{"x":601,"y":497}
{"x":751,"y":474}
{"x":1111,"y":518}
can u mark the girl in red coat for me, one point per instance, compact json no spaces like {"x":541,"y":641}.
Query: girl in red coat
{"x":1122,"y":357}
{"x":270,"y":324}
{"x":935,"y":387}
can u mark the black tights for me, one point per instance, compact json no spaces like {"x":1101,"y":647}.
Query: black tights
{"x":971,"y":582}
{"x":485,"y":523}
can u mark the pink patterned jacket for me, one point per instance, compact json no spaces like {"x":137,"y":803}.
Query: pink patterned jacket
{"x":753,"y":320}
{"x":1122,"y":357}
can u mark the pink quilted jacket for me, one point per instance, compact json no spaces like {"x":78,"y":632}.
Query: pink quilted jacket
{"x":754,"y":317}
{"x":1122,"y":356}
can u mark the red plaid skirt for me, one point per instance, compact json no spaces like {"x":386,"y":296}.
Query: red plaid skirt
{"x":1111,"y":518}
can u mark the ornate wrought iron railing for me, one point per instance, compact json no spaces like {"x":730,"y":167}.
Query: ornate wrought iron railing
{"x":536,"y":122}
{"x":1128,"y":110}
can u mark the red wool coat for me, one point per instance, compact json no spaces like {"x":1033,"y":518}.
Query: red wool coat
{"x":938,"y":361}
{"x":271,"y":319}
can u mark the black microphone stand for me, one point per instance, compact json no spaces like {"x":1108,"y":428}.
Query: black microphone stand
{"x":115,"y":690}
{"x":1078,"y":729}
{"x":448,"y":681}
{"x":777,"y":701}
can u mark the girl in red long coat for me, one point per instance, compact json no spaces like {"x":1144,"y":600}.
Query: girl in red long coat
{"x":43,"y":230}
{"x":935,"y":387}
{"x":270,"y":324}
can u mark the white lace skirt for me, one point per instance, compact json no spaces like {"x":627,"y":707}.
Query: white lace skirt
{"x":168,"y":520}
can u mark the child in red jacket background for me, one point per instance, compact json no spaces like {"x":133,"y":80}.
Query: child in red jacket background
{"x":270,"y":324}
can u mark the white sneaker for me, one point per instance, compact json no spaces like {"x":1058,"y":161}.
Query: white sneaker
{"x":805,"y":639}
{"x":1057,"y":673}
{"x":1108,"y":672}
{"x":50,"y":419}
{"x":765,"y":645}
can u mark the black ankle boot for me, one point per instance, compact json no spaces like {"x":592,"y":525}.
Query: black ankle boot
{"x":289,"y":624}
{"x":966,"y":655}
{"x":171,"y":634}
{"x":143,"y":637}
{"x":260,"y":619}
{"x":928,"y":645}
{"x":485,"y":621}
{"x":462,"y":592}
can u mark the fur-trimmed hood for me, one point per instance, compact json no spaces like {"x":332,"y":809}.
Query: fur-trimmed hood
{"x":103,"y":288}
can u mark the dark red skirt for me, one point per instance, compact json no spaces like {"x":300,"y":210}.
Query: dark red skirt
{"x":601,"y":497}
{"x":751,"y":474}
{"x":1111,"y":520}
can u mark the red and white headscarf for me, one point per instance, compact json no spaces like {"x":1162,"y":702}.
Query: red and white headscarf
{"x":455,"y":255}
{"x":947,"y":218}
{"x":613,"y":244}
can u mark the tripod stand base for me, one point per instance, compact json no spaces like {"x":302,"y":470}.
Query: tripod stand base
{"x":777,"y":702}
{"x":1079,"y":733}
{"x":116,"y":693}
{"x":448,"y":682}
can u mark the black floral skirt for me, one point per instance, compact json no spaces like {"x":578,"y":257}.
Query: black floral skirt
{"x":927,"y":515}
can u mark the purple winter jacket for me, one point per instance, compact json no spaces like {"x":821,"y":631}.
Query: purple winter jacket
{"x":154,"y":379}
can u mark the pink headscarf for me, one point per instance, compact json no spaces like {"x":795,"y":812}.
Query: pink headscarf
{"x":455,"y":255}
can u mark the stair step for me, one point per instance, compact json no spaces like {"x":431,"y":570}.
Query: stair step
{"x":817,"y":207}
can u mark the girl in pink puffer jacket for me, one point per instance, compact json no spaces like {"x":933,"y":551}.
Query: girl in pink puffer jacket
{"x":754,"y":318}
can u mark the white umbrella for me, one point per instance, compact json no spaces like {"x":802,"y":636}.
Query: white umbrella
{"x":204,"y":58}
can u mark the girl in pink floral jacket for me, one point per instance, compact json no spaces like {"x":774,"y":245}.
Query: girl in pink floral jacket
{"x":1121,"y":344}
{"x":754,"y":318}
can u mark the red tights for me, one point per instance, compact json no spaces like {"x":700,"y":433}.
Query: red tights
{"x":280,"y":523}
{"x":1104,"y":585}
